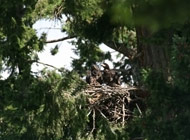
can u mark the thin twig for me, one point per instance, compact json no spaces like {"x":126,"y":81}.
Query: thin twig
{"x":102,"y":114}
{"x":46,"y":65}
{"x":123,"y":109}
{"x":139,"y":109}
{"x":94,"y":121}
{"x":89,"y":112}
{"x":60,"y":39}
{"x":49,"y":28}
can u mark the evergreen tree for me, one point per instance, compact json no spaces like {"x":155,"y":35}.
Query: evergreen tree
{"x":51,"y":104}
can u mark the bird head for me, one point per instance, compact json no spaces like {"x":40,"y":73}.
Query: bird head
{"x":94,"y":67}
{"x":105,"y":66}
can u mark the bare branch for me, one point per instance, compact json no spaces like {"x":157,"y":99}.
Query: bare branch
{"x":123,"y":110}
{"x":139,"y":109}
{"x":94,"y":121}
{"x":60,"y":70}
{"x":48,"y":28}
{"x":60,"y":39}
{"x":102,"y":113}
{"x":46,"y":65}
{"x":130,"y":53}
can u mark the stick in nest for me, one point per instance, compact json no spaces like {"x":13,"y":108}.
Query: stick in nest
{"x":94,"y":121}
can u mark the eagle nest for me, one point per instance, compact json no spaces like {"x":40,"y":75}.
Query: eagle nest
{"x":116,"y":104}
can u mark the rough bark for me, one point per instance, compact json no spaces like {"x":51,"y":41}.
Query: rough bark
{"x":153,"y":55}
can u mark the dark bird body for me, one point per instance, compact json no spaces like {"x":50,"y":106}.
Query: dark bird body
{"x":89,"y":78}
{"x":94,"y":76}
{"x":110,"y":77}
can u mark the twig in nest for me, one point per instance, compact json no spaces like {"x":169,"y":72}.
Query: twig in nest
{"x":139,"y":109}
{"x":94,"y":121}
{"x":89,"y":112}
{"x":102,"y":114}
{"x":123,"y":109}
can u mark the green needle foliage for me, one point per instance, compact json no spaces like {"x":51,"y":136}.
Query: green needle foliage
{"x":51,"y":104}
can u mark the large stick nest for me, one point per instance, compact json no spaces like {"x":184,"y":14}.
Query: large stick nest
{"x":116,"y":104}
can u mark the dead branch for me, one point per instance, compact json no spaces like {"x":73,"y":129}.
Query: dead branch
{"x":46,"y":65}
{"x":138,"y":108}
{"x":94,"y":121}
{"x":123,"y":109}
{"x":60,"y":39}
{"x":120,"y":47}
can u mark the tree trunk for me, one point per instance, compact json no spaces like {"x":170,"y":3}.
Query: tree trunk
{"x":152,"y":55}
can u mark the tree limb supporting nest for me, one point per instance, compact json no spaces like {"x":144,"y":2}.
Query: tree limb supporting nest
{"x":116,"y":104}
